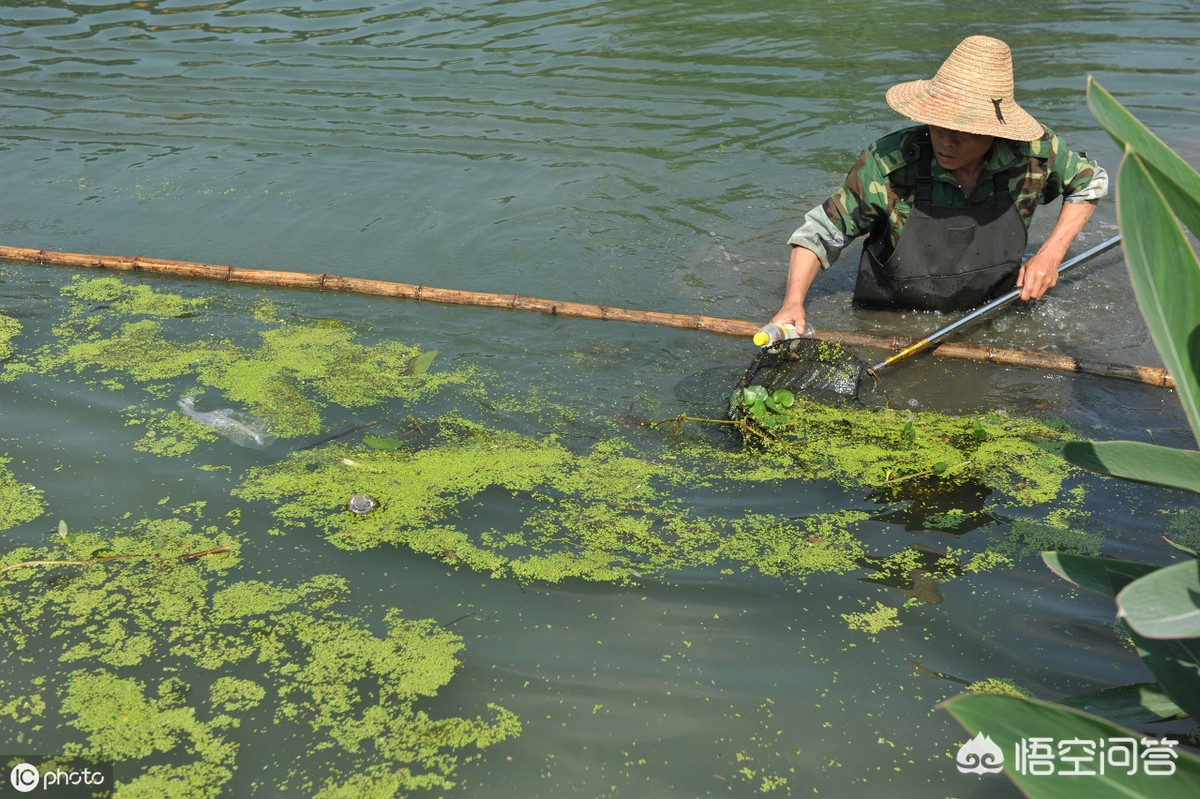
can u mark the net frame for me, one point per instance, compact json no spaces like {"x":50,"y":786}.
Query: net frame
{"x":820,"y":370}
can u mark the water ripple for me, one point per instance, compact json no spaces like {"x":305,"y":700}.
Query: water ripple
{"x":621,"y":127}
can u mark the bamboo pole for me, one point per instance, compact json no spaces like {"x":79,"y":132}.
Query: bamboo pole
{"x":384,"y":288}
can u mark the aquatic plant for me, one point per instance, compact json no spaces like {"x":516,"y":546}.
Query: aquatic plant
{"x":9,"y":329}
{"x":116,"y":331}
{"x":19,"y":502}
{"x":263,"y":658}
{"x":607,"y":514}
{"x":1159,"y":606}
{"x":999,"y":686}
{"x":617,"y":505}
{"x":874,"y":621}
{"x":886,"y":448}
{"x":602,"y":515}
{"x":767,"y":408}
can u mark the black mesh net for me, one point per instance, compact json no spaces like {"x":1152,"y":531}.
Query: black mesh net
{"x":818,"y":370}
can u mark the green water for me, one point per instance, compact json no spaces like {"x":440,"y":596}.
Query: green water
{"x":650,"y":156}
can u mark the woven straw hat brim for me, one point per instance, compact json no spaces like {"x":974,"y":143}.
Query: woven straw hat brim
{"x":920,"y":101}
{"x":971,"y":92}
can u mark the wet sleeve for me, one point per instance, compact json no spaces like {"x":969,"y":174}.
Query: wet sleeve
{"x":851,"y":212}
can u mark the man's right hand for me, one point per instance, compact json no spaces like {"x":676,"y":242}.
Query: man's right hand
{"x":803,"y":267}
{"x":791,"y":315}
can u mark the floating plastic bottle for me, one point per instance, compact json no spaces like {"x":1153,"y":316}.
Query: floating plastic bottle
{"x":774,"y":333}
{"x":362,"y":504}
{"x":238,"y":427}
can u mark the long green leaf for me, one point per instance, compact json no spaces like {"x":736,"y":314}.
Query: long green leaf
{"x":1186,"y":206}
{"x":1191,"y":551}
{"x":1008,"y":721}
{"x":1175,"y":663}
{"x":1164,"y":603}
{"x":1103,"y":575}
{"x":1140,"y":703}
{"x":1165,"y":275}
{"x":1178,"y":180}
{"x":1132,"y":460}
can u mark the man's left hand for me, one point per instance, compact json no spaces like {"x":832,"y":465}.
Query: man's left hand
{"x":1038,"y":275}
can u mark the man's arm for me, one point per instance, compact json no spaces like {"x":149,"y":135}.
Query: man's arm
{"x":1040,"y":273}
{"x":802,"y":270}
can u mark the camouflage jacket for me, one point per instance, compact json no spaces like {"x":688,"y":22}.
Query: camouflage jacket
{"x":877,"y":196}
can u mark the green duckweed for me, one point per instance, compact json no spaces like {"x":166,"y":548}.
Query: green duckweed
{"x":605,"y":514}
{"x":19,"y":502}
{"x":1060,"y":529}
{"x":889,"y":449}
{"x":874,"y":621}
{"x":1001,"y":686}
{"x":343,"y":682}
{"x":243,"y":654}
{"x":125,"y":297}
{"x":601,"y":515}
{"x":118,"y":333}
{"x":9,"y":329}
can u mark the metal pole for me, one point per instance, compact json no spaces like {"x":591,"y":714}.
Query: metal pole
{"x":938,"y":335}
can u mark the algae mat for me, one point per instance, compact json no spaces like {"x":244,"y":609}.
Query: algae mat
{"x":148,"y":637}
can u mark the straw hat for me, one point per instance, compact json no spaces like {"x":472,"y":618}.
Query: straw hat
{"x":971,"y":92}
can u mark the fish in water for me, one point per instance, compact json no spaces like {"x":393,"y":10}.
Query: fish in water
{"x":238,"y":427}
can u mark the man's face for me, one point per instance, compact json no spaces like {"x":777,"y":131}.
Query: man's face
{"x":955,"y":150}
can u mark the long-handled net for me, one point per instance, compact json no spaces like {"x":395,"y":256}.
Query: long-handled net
{"x":827,"y":372}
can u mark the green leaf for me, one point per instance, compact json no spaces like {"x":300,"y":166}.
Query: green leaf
{"x":784,"y":398}
{"x":1103,"y":575}
{"x":1177,"y":179}
{"x":1175,"y":663}
{"x":1140,"y":703}
{"x":382,"y":442}
{"x":62,"y":528}
{"x":1182,"y":548}
{"x":1008,"y":721}
{"x":753,"y":394}
{"x":1166,"y":277}
{"x":420,"y":364}
{"x":1165,"y":603}
{"x":1133,"y":460}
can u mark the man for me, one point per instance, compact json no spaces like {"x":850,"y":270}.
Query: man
{"x":946,"y":205}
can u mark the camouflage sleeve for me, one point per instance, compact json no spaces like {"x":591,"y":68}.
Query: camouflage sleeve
{"x":1073,"y":175}
{"x":819,"y":234}
{"x":853,"y":210}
